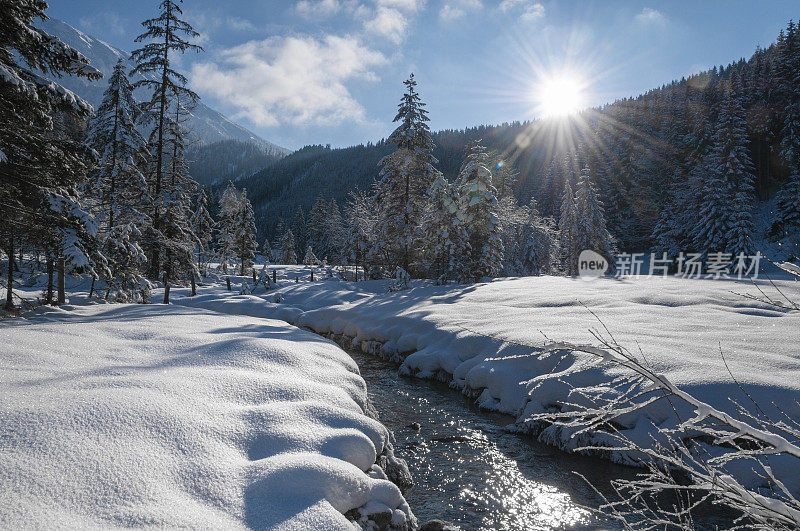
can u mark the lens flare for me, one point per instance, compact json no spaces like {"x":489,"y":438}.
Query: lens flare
{"x":560,"y":95}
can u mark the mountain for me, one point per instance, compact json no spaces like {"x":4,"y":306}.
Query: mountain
{"x":206,"y":125}
{"x":654,"y":158}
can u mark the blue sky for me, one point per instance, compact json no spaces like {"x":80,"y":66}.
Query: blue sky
{"x":299,"y":72}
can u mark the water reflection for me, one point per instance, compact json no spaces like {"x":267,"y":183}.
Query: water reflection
{"x":469,"y":470}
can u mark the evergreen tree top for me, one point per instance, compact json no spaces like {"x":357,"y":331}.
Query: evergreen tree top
{"x":413,"y":132}
{"x":168,"y":34}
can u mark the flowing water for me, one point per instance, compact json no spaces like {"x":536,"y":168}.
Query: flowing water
{"x":472,"y":472}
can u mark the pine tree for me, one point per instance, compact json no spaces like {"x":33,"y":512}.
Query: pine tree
{"x":539,"y":249}
{"x":168,"y":35}
{"x":300,"y":228}
{"x":203,"y":228}
{"x":228,"y":208}
{"x":788,"y":73}
{"x":39,"y":170}
{"x":334,"y":232}
{"x":443,"y":231}
{"x":310,"y":258}
{"x":123,"y":251}
{"x":591,"y":232}
{"x":568,"y":231}
{"x":317,"y":219}
{"x":245,"y":234}
{"x":725,"y":216}
{"x":361,"y":221}
{"x":482,"y":256}
{"x":405,"y":176}
{"x":174,"y":233}
{"x":288,"y":253}
{"x":118,"y":186}
{"x":118,"y":181}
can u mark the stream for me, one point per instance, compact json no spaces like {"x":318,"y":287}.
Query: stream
{"x":469,"y":470}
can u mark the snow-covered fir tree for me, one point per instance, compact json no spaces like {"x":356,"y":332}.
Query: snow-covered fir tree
{"x":119,"y":181}
{"x":288,"y":253}
{"x":127,"y":260}
{"x":481,"y":255}
{"x":443,"y":231}
{"x":310,"y":258}
{"x":300,"y":228}
{"x":174,"y":233}
{"x":405,"y":176}
{"x":168,"y":35}
{"x":788,"y":74}
{"x":244,"y":236}
{"x":591,"y":231}
{"x":538,"y":245}
{"x":118,"y":185}
{"x":725,"y":217}
{"x":228,"y":208}
{"x":34,"y":189}
{"x":361,"y":221}
{"x":203,"y":228}
{"x":568,"y":231}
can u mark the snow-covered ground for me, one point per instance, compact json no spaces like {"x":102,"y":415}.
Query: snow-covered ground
{"x":684,"y":329}
{"x":177,"y":417}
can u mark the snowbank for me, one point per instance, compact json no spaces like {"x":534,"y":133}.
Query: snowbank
{"x":179,"y":417}
{"x":684,"y":328}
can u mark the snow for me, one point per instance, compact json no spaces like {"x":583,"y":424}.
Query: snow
{"x":474,"y":336}
{"x":171,"y":416}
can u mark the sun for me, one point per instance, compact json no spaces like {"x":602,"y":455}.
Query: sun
{"x":560,"y":95}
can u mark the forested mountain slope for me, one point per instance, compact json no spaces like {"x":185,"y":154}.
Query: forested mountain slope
{"x":654,"y":157}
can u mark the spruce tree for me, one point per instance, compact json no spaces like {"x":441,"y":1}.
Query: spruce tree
{"x":300,"y":228}
{"x":174,"y":233}
{"x":591,"y":232}
{"x":33,"y":185}
{"x":568,"y":231}
{"x":443,"y":231}
{"x":118,"y":182}
{"x":244,"y":237}
{"x":725,"y":216}
{"x":788,"y":74}
{"x":288,"y":252}
{"x":361,"y":221}
{"x":168,"y":35}
{"x":228,"y":208}
{"x":310,"y":258}
{"x":203,"y":227}
{"x":118,"y":186}
{"x":482,"y":252}
{"x":405,"y":176}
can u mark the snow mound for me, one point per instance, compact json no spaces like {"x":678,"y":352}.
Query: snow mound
{"x":170,"y":416}
{"x":704,"y":335}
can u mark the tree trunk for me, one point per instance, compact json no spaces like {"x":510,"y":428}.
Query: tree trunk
{"x":194,"y":289}
{"x":228,"y":282}
{"x":91,"y":289}
{"x":10,"y":288}
{"x":166,"y":288}
{"x":62,"y":273}
{"x":49,"y":299}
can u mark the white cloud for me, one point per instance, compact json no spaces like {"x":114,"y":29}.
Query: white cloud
{"x":389,"y":23}
{"x":526,"y":10}
{"x":455,"y":9}
{"x":317,"y":8}
{"x":651,"y":16}
{"x":297,"y":80}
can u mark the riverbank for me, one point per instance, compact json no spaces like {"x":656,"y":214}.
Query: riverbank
{"x":169,"y":416}
{"x":706,"y":336}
